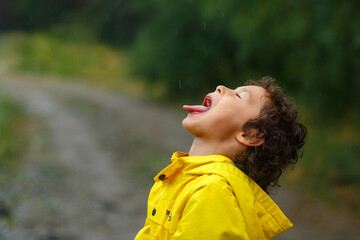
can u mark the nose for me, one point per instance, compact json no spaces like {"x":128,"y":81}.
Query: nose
{"x":221,"y":89}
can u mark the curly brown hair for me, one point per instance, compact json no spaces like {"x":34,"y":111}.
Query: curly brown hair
{"x":283,"y":136}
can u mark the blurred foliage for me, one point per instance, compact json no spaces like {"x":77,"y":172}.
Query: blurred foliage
{"x":11,"y":133}
{"x":92,"y":62}
{"x":311,"y":47}
{"x":113,"y":21}
{"x":331,"y":163}
{"x":116,"y":21}
{"x":29,"y":15}
{"x":189,"y":47}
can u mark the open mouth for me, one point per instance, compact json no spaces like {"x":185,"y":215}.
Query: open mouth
{"x":199,"y":108}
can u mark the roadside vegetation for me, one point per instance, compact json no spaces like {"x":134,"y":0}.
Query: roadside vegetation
{"x":13,"y":135}
{"x":12,"y":131}
{"x":330,"y":166}
{"x":87,"y":62}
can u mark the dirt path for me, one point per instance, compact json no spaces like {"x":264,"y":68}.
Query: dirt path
{"x":90,"y":162}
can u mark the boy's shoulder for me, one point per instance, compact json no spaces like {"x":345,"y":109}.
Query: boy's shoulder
{"x":223,"y":176}
{"x":250,"y":197}
{"x":219,"y":172}
{"x":210,"y":181}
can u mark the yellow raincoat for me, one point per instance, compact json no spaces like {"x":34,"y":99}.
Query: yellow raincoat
{"x":206,"y":197}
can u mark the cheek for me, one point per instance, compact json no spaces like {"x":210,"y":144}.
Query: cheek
{"x":226,"y":123}
{"x":231,"y":122}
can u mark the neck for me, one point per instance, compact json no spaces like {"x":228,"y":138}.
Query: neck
{"x":200,"y":147}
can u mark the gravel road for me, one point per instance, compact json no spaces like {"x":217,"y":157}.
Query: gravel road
{"x":90,"y":162}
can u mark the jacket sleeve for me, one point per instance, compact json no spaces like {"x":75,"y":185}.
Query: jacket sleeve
{"x":211,"y":213}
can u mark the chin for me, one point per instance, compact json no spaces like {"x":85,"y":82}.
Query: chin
{"x":190,"y":126}
{"x":185,"y":123}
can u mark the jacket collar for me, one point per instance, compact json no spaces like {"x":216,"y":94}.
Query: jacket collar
{"x":182,"y":160}
{"x":273,"y":220}
{"x":197,"y":161}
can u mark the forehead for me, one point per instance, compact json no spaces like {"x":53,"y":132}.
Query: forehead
{"x":257,"y":94}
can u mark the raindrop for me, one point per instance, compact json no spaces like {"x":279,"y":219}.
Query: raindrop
{"x":204,"y":25}
{"x":223,"y":15}
{"x":179,"y":84}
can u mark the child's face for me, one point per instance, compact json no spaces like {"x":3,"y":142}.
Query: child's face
{"x":224,"y":112}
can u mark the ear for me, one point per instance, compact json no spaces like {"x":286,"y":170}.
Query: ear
{"x":251,"y":139}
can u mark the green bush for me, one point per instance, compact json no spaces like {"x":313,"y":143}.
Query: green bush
{"x":330,"y":166}
{"x":12,"y":134}
{"x":311,"y":47}
{"x":332,"y":154}
{"x":47,"y":54}
{"x":89,"y":62}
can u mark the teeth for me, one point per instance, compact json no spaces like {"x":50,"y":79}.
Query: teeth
{"x":208,"y":102}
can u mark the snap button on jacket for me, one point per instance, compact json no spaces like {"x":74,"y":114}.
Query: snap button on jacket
{"x":206,"y":197}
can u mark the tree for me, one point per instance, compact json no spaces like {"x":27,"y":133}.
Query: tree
{"x":310,"y":47}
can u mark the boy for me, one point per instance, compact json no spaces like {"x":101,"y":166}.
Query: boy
{"x":244,"y":138}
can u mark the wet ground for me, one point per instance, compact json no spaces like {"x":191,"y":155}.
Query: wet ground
{"x":90,"y":161}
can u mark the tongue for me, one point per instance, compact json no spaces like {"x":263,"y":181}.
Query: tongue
{"x":195,"y":108}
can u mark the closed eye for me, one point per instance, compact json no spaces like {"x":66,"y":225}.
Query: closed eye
{"x":238,"y":95}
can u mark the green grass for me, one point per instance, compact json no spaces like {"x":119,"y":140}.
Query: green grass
{"x":13,"y":140}
{"x":88,"y":62}
{"x":331,"y":163}
{"x":12,"y":133}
